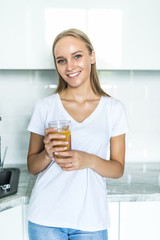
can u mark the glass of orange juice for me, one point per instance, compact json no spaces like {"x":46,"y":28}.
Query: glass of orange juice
{"x":63,"y":127}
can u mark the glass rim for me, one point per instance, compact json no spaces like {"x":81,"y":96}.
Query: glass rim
{"x":59,"y":121}
{"x":59,"y":124}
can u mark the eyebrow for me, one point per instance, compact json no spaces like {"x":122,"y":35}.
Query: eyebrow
{"x":71,"y":53}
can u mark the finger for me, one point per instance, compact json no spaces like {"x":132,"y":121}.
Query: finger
{"x":59,"y":149}
{"x":64,"y":154}
{"x":66,"y":165}
{"x":59,"y":143}
{"x":68,"y":169}
{"x":63,"y":161}
{"x":56,"y":136}
{"x":49,"y":130}
{"x":50,"y":140}
{"x":48,"y":136}
{"x":49,"y":150}
{"x":46,"y":140}
{"x":52,"y":133}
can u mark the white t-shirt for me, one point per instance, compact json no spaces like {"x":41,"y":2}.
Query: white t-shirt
{"x":75,"y":199}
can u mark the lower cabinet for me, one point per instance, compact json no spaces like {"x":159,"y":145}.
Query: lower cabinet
{"x":11,"y":226}
{"x":139,"y":220}
{"x":25,"y":222}
{"x":113,"y":231}
{"x":129,"y":221}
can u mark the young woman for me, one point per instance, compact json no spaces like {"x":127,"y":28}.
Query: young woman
{"x":69,"y":199}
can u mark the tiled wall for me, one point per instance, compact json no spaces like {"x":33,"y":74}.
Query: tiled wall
{"x":138,"y":90}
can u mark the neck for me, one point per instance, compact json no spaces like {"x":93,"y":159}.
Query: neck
{"x":78,"y":94}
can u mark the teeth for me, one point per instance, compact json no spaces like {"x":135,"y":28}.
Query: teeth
{"x":74,"y":74}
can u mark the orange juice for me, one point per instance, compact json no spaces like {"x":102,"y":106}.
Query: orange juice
{"x":67,"y":133}
{"x":62,"y":127}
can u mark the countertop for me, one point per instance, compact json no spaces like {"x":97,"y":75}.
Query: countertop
{"x":140,"y":182}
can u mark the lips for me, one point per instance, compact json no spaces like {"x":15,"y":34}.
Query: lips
{"x":72,"y":75}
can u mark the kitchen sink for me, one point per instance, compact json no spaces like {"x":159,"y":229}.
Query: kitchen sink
{"x":9,"y":179}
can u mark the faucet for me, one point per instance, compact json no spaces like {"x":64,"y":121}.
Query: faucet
{"x":5,"y":152}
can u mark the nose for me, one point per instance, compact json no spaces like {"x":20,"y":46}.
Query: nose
{"x":70,"y":65}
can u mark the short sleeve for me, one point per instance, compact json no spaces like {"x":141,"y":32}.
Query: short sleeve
{"x":37,"y":123}
{"x":119,"y":120}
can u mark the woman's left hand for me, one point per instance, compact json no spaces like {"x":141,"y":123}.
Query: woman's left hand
{"x":72,"y":160}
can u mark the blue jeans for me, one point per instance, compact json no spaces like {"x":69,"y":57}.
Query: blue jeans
{"x":39,"y":232}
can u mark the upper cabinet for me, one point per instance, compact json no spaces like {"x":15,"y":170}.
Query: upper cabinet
{"x":125,"y":34}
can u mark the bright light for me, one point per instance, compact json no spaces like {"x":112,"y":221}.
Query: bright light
{"x":59,"y":19}
{"x":103,"y":26}
{"x":105,"y":30}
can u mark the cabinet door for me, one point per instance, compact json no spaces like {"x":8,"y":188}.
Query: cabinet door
{"x":11,"y":224}
{"x":25,"y":222}
{"x":125,"y":34}
{"x":114,"y":221}
{"x":28,"y":29}
{"x":140,"y":220}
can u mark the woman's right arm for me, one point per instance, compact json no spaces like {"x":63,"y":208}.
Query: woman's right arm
{"x":41,"y":150}
{"x":38,"y":159}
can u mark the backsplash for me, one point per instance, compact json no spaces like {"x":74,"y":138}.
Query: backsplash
{"x":138,"y":90}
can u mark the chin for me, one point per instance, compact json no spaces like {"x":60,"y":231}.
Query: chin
{"x":74,"y":83}
{"x":73,"y":86}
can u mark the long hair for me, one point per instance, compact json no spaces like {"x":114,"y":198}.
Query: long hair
{"x":95,"y":84}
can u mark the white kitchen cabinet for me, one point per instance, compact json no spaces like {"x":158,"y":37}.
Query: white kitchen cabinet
{"x":28,"y":28}
{"x":25,"y":222}
{"x":11,"y":224}
{"x":113,"y":231}
{"x":125,"y":34}
{"x":140,"y":220}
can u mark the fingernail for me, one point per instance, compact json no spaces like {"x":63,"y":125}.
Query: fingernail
{"x":65,"y":142}
{"x":56,"y":153}
{"x":63,"y":136}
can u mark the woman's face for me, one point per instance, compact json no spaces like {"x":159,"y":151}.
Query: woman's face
{"x":73,"y":61}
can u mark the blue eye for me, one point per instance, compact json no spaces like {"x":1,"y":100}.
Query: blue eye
{"x":60,"y":61}
{"x":78,"y":56}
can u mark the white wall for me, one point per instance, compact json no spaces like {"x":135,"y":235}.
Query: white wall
{"x":138,"y":90}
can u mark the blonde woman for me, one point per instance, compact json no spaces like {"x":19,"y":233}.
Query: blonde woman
{"x":69,"y":199}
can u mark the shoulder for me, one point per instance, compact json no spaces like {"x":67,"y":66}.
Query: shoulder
{"x":117,"y":116}
{"x":46,"y":101}
{"x":43,"y":105}
{"x":113,"y":103}
{"x":114,"y":108}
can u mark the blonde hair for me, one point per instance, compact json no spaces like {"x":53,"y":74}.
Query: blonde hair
{"x":95,"y":84}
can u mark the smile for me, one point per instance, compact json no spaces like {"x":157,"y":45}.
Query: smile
{"x":74,"y":74}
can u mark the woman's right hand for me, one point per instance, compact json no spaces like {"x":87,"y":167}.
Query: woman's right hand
{"x":53,"y":142}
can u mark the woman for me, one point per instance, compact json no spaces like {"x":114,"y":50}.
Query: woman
{"x":69,"y":199}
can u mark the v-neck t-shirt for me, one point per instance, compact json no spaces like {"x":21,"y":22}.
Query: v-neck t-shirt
{"x":75,"y":199}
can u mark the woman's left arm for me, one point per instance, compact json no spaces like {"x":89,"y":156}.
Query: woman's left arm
{"x":112,"y":168}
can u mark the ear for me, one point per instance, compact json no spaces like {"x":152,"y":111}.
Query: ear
{"x":93,"y":57}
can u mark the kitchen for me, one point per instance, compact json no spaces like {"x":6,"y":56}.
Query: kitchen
{"x":129,"y":70}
